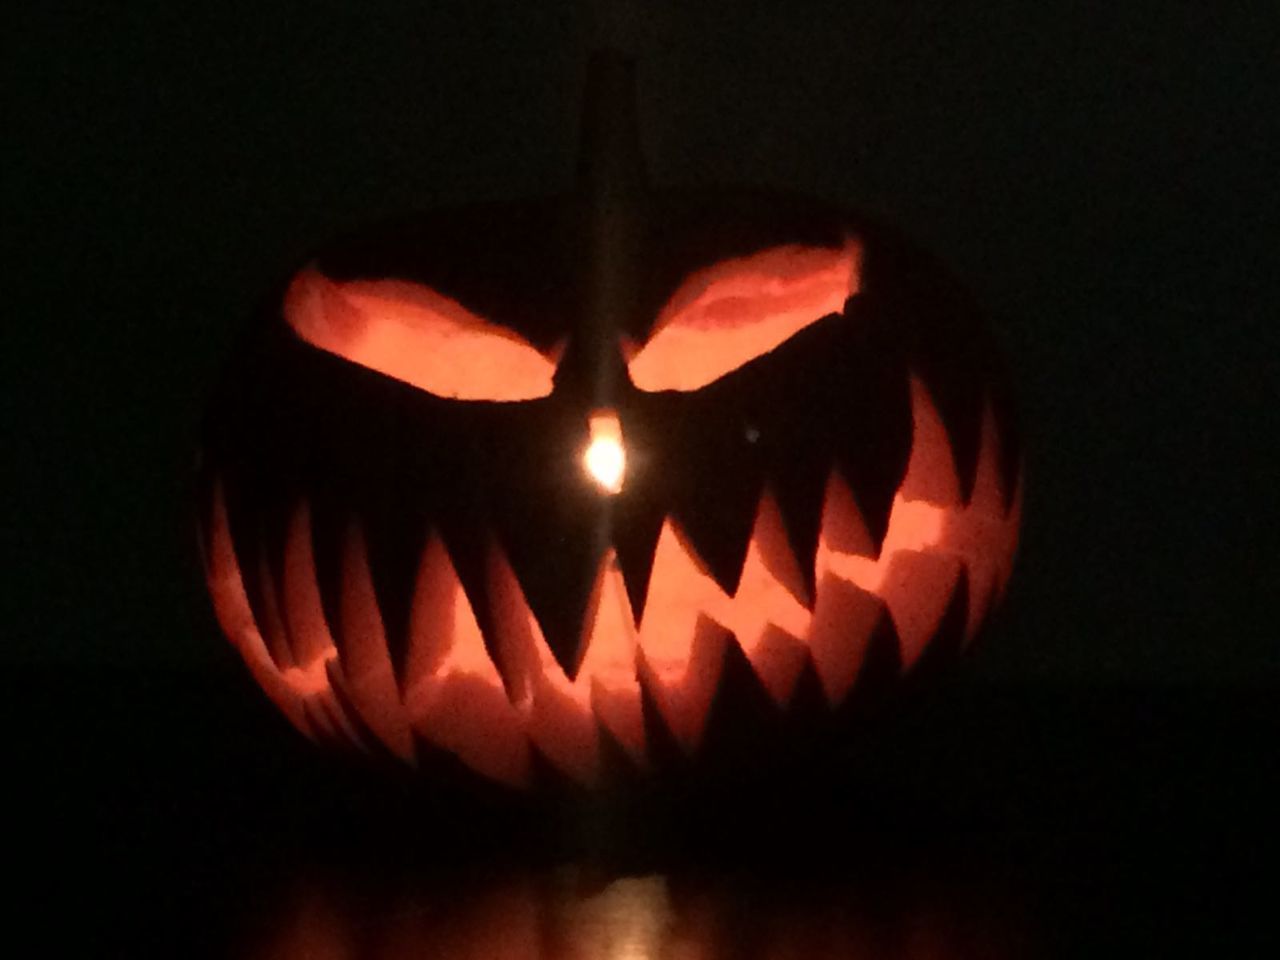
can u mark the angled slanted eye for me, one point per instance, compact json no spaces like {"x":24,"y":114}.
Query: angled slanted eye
{"x":737,"y":310}
{"x":414,"y":334}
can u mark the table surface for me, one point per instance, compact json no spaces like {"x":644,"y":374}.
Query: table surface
{"x":174,"y":815}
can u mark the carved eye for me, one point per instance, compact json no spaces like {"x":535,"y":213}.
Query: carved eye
{"x":414,"y":334}
{"x":735,"y":311}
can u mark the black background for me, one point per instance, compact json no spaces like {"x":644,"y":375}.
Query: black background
{"x":1103,"y":175}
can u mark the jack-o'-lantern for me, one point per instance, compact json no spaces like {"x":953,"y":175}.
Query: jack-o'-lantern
{"x":561,"y":484}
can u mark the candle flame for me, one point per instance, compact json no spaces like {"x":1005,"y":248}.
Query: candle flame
{"x":605,"y":458}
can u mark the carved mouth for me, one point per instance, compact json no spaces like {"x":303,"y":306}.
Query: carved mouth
{"x":491,"y":703}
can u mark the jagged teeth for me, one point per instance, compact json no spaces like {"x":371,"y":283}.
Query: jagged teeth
{"x":490,"y":710}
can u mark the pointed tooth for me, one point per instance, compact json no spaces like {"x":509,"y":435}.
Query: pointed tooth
{"x":362,"y":650}
{"x":453,"y":692}
{"x":273,"y":538}
{"x":766,"y":604}
{"x":231,"y":606}
{"x":777,"y":658}
{"x":843,"y":528}
{"x":1011,"y":461}
{"x":980,"y":576}
{"x":363,"y":647}
{"x":438,"y":616}
{"x":718,"y":522}
{"x":683,"y":683}
{"x":917,"y":588}
{"x":565,"y":731}
{"x":770,"y":541}
{"x":272,"y":622}
{"x":959,"y":405}
{"x":558,"y":717}
{"x":318,"y":722}
{"x":222,"y":571}
{"x":303,"y":611}
{"x":1009,"y":545}
{"x":681,"y":646}
{"x":982,"y":530}
{"x":620,"y":768}
{"x":518,"y":651}
{"x":947,"y":641}
{"x":844,"y":618}
{"x":468,"y":551}
{"x":880,"y":673}
{"x":742,"y":725}
{"x":931,"y":471}
{"x":556,"y":580}
{"x":873,"y":391}
{"x":344,"y":728}
{"x":393,"y":548}
{"x":939,"y":322}
{"x":608,"y":666}
{"x":328,"y":529}
{"x":807,"y":722}
{"x":988,"y":497}
{"x":635,"y":536}
{"x":471,"y":717}
{"x":874,"y":491}
{"x":547,"y":778}
{"x":665,"y":749}
{"x":799,"y":490}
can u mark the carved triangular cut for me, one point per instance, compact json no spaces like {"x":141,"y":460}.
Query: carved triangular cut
{"x":272,"y":622}
{"x":843,"y":621}
{"x":917,"y":589}
{"x":609,"y":660}
{"x":235,"y":616}
{"x":717,"y":522}
{"x":799,"y":489}
{"x":366,"y":662}
{"x":944,"y":647}
{"x":558,"y":715}
{"x":778,"y":658}
{"x":304,"y":613}
{"x":743,"y":723}
{"x":636,"y":540}
{"x":843,"y":528}
{"x":681,"y":673}
{"x":452,"y":689}
{"x":931,"y":471}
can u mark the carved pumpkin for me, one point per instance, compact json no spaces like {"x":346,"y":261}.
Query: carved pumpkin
{"x":611,"y":479}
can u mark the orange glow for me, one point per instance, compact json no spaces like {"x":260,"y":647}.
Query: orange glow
{"x":579,"y":912}
{"x":416,"y":335}
{"x":453,"y":692}
{"x":728,"y":314}
{"x":605,"y":458}
{"x":490,"y":711}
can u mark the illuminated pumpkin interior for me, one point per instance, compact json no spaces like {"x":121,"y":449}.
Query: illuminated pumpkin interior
{"x":491,"y":711}
{"x":605,"y":458}
{"x":728,"y":314}
{"x":414,"y":334}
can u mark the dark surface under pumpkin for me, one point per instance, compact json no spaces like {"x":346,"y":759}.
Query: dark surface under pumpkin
{"x":437,"y":577}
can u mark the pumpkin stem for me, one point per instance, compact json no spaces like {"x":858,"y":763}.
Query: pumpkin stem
{"x":612,"y":193}
{"x":610,"y":162}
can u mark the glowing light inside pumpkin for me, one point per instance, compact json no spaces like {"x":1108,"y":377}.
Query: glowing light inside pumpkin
{"x":729,"y":314}
{"x":416,"y":335}
{"x":605,"y":458}
{"x":489,"y":705}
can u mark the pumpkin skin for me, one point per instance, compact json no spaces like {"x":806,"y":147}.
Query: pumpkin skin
{"x":821,"y":482}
